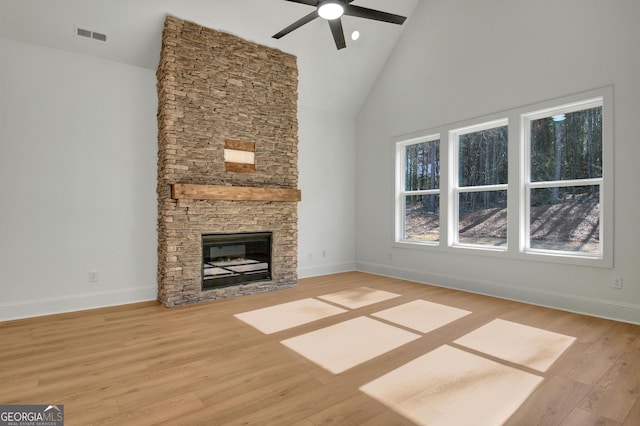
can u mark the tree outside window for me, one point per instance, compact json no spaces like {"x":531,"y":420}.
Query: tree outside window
{"x":482,"y":187}
{"x":565,"y":180}
{"x":422,"y":191}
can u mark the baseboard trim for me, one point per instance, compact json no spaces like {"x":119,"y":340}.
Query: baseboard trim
{"x":607,"y":309}
{"x":335,"y":268}
{"x":601,"y":308}
{"x":77,"y":302}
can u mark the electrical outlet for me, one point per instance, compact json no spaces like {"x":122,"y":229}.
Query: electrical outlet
{"x":93,"y":276}
{"x":617,"y":282}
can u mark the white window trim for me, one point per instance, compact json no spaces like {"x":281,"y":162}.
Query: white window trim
{"x":454,"y":180}
{"x":402,"y":193}
{"x":526,"y":185}
{"x":517,"y":218}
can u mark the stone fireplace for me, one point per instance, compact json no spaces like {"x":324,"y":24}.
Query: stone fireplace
{"x":227,"y":166}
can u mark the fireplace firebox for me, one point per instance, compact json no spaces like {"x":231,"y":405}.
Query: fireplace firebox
{"x":234,"y":259}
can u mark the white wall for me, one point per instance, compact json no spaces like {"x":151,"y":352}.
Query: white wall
{"x":464,"y":59}
{"x":326,"y":226}
{"x":78,"y":171}
{"x":78,"y":152}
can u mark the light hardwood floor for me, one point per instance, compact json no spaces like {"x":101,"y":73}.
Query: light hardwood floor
{"x":144,"y":364}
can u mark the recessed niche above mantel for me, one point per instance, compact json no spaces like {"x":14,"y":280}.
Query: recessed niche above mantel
{"x":185,"y":191}
{"x":239,"y":156}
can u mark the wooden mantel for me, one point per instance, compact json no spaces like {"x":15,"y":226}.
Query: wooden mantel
{"x":186,"y":191}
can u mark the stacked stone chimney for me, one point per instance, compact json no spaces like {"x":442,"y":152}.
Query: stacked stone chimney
{"x":215,"y":89}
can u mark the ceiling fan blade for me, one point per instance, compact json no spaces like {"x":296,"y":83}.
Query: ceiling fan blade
{"x":300,"y":22}
{"x":363,"y":12}
{"x":308,"y":2}
{"x":338,"y":33}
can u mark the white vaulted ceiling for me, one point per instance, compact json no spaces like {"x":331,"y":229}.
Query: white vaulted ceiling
{"x":329,"y":79}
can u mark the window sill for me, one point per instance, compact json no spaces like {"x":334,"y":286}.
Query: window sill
{"x":504,"y":253}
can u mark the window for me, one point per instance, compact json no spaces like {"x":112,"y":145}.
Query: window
{"x":531,"y":183}
{"x":480,"y":185}
{"x":420,"y":190}
{"x":564,"y":179}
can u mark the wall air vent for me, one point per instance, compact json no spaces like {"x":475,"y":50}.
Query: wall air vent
{"x":92,"y":35}
{"x":83,"y":33}
{"x":99,"y":37}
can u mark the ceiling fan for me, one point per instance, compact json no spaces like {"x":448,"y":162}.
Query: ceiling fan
{"x":332,"y":10}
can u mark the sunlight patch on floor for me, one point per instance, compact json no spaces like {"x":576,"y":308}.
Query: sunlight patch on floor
{"x":288,"y":315}
{"x":465,"y":384}
{"x":521,"y":344}
{"x":358,"y":297}
{"x":342,"y":346}
{"x":448,"y":386}
{"x":421,"y":315}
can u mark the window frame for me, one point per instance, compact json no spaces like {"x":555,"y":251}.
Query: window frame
{"x":518,"y":185}
{"x":402,"y":193}
{"x":528,"y":184}
{"x":456,"y":189}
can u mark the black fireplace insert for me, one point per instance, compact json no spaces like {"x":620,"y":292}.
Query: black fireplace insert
{"x":233,"y":259}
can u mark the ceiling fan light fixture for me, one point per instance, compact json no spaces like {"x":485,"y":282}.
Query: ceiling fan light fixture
{"x":330,"y":9}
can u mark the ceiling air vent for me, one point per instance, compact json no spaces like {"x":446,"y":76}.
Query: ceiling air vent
{"x":93,"y":35}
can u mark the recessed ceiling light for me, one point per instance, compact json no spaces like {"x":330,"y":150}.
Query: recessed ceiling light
{"x":355,"y":35}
